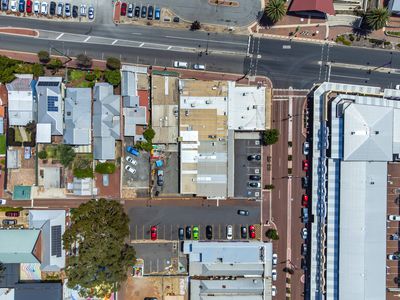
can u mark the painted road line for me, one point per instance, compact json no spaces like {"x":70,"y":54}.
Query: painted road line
{"x":204,"y":40}
{"x":60,"y":36}
{"x":141,"y":45}
{"x":169,"y":48}
{"x":88,"y":38}
{"x":287,"y":47}
{"x":136,"y":33}
{"x":113,"y":43}
{"x":352,"y":77}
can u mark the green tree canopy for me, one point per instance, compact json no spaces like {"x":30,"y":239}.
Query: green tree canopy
{"x":272,"y":234}
{"x":84,"y":61}
{"x":377,"y":18}
{"x":65,"y":154}
{"x":100,"y":228}
{"x":37,"y":70}
{"x":113,"y":77}
{"x":149,"y":134}
{"x":113,"y":63}
{"x":44,"y":56}
{"x":275,"y":10}
{"x":42,"y":154}
{"x":270,"y":136}
{"x":54,"y":64}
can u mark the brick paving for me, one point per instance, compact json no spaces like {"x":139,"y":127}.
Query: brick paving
{"x":19,"y":31}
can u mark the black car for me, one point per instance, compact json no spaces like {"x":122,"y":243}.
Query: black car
{"x":209,"y":232}
{"x":243,"y":232}
{"x":303,"y":264}
{"x":137,"y":11}
{"x":188,"y":232}
{"x":4,"y":4}
{"x":9,"y":222}
{"x":304,"y":182}
{"x":255,"y":177}
{"x":254,"y":157}
{"x":304,"y":249}
{"x":150,"y":13}
{"x":254,"y":184}
{"x":181,"y":233}
{"x":176,"y":19}
{"x":144,"y":11}
{"x":21,"y":6}
{"x":53,"y":8}
{"x":75,"y":11}
{"x":243,"y":212}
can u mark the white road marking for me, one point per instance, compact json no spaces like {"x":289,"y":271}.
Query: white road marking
{"x":169,"y":48}
{"x":286,"y":46}
{"x":113,"y":43}
{"x":88,"y":38}
{"x":60,"y":36}
{"x":141,"y":45}
{"x":204,"y":40}
{"x":136,"y":33}
{"x":354,"y":77}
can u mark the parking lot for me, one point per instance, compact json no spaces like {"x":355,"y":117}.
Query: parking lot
{"x":244,"y":168}
{"x":140,"y":178}
{"x":169,"y":219}
{"x":171,"y":175}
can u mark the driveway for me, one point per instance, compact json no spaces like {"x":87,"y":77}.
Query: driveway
{"x":200,"y":10}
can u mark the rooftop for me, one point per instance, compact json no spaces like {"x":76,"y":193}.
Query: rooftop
{"x":19,"y":246}
{"x":323,"y":6}
{"x":20,"y":100}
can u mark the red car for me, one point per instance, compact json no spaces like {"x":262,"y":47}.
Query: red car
{"x":305,"y":200}
{"x":12,"y":213}
{"x":252,"y":231}
{"x":123,"y":9}
{"x":305,"y":165}
{"x":153,"y":233}
{"x":29,"y":6}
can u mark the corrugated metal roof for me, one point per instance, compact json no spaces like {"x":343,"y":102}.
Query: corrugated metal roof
{"x":17,"y":245}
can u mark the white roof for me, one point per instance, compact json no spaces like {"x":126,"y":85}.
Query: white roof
{"x":43,"y":133}
{"x":189,"y":136}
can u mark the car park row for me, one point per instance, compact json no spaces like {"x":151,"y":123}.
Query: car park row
{"x":140,"y":11}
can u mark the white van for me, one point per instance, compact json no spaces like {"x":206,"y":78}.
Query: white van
{"x":180,"y":64}
{"x":199,"y":67}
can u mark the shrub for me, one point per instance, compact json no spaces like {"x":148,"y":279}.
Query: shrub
{"x":98,"y":73}
{"x":195,"y":25}
{"x":149,"y":134}
{"x":83,"y":173}
{"x":146,"y":146}
{"x":105,"y":168}
{"x":42,"y":154}
{"x":397,"y":33}
{"x":113,"y":77}
{"x":65,"y":154}
{"x":346,"y":43}
{"x":113,"y":63}
{"x":44,"y":56}
{"x":269,"y":187}
{"x":272,"y":234}
{"x":84,"y":61}
{"x":270,"y":136}
{"x":351,"y":37}
{"x":386,"y":43}
{"x":37,"y":70}
{"x":90,"y":76}
{"x":54,"y":64}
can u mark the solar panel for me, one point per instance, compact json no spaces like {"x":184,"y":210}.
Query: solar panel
{"x":56,"y":240}
{"x":51,"y":101}
{"x":48,"y":83}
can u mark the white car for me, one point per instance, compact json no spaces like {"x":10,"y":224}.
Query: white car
{"x":3,"y":201}
{"x":13,"y":6}
{"x":44,"y":8}
{"x":36,"y":7}
{"x":83,"y":10}
{"x":393,"y":257}
{"x":306,"y":148}
{"x":273,"y":290}
{"x":393,"y":218}
{"x":229,"y":232}
{"x":274,"y":259}
{"x":304,"y":233}
{"x":274,"y":274}
{"x":199,"y":67}
{"x":91,"y":13}
{"x":131,"y":160}
{"x":130,"y":169}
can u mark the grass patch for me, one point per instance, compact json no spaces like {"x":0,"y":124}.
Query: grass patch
{"x":7,"y":208}
{"x":18,"y":136}
{"x":396,"y":33}
{"x":85,"y":84}
{"x":2,"y":144}
{"x":77,"y":75}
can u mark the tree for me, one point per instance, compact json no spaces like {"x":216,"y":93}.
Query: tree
{"x":275,"y":10}
{"x":269,"y":187}
{"x":195,"y":25}
{"x":84,"y":61}
{"x":42,"y":154}
{"x":100,"y":228}
{"x":270,"y":136}
{"x":44,"y":56}
{"x":65,"y":154}
{"x":113,"y":77}
{"x":105,"y":168}
{"x":90,"y":76}
{"x":113,"y":63}
{"x":377,"y":18}
{"x":54,"y":64}
{"x":83,"y":167}
{"x":37,"y":70}
{"x":272,"y":234}
{"x":149,"y":134}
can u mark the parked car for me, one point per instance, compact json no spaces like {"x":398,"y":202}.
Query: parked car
{"x":274,"y":259}
{"x":153,"y":232}
{"x":181,"y":234}
{"x":305,"y":214}
{"x":304,"y":249}
{"x":9,"y":222}
{"x":243,"y":232}
{"x":36,"y":7}
{"x":255,"y":177}
{"x":209,"y":232}
{"x":144,"y":11}
{"x":306,"y":148}
{"x":21,"y":6}
{"x":67,"y":9}
{"x":254,"y":184}
{"x":274,"y":274}
{"x":132,"y":150}
{"x":4,"y":5}
{"x":130,"y":169}
{"x":131,"y":160}
{"x":44,"y":8}
{"x":14,"y":214}
{"x":254,"y":157}
{"x":75,"y":11}
{"x":304,"y":233}
{"x":13,"y":5}
{"x":304,"y":182}
{"x":3,"y":201}
{"x":180,"y":64}
{"x":176,"y":19}
{"x":229,"y":232}
{"x":243,"y":212}
{"x":199,"y":67}
{"x":252,"y":231}
{"x":157,"y":14}
{"x":160,"y":177}
{"x":130,"y":10}
{"x":273,"y":291}
{"x":123,"y":9}
{"x":83,"y":10}
{"x":188,"y":232}
{"x":393,"y":218}
{"x":60,"y":9}
{"x":393,"y":257}
{"x":304,"y":200}
{"x":195,"y":232}
{"x":150,"y":13}
{"x":53,"y":6}
{"x":137,"y":11}
{"x":305,"y":165}
{"x":29,"y":6}
{"x":303,"y":264}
